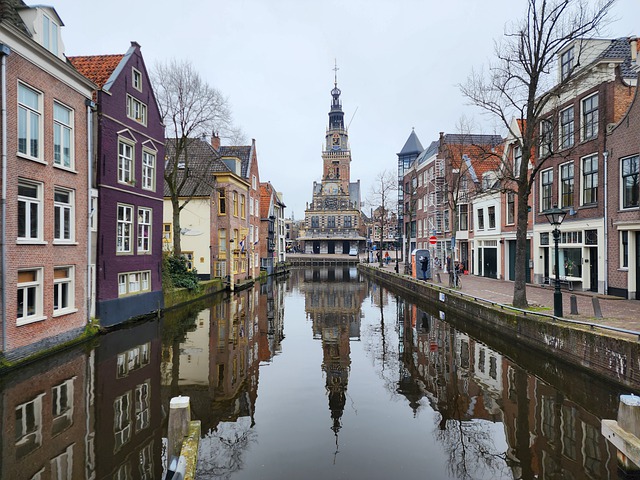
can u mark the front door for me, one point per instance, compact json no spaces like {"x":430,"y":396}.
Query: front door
{"x":511,"y":244}
{"x":491,"y":262}
{"x":331,"y":247}
{"x":593,"y":268}
{"x":638,"y":265}
{"x":316,"y":247}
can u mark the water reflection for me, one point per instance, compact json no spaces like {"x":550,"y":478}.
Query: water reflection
{"x":319,"y":375}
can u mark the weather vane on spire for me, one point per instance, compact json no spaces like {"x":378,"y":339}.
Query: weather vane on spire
{"x":335,"y":70}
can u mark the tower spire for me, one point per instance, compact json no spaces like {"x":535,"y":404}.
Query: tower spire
{"x":335,"y":72}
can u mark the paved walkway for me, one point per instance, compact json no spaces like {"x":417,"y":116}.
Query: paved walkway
{"x":616,"y":311}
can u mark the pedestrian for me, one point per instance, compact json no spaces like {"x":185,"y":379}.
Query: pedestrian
{"x":387,"y":258}
{"x":450,"y":270}
{"x":424,"y":266}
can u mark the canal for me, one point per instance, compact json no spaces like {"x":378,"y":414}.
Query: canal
{"x":321,"y":374}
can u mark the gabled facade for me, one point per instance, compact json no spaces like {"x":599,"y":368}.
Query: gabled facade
{"x":129,"y":165}
{"x":333,"y":220}
{"x":572,"y":154}
{"x":45,"y":130}
{"x":272,"y":228}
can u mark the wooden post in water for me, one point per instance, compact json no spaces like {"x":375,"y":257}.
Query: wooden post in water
{"x":179,"y":418}
{"x":624,"y":433}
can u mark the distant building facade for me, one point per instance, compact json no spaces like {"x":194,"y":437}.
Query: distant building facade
{"x":333,"y":223}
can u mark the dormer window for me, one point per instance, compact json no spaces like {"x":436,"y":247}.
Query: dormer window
{"x":566,"y":63}
{"x":50,"y":34}
{"x":136,"y":79}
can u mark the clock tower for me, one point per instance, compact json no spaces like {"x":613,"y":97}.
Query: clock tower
{"x":333,"y":221}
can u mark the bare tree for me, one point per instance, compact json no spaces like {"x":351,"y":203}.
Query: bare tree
{"x":191,"y":109}
{"x":519,"y":85}
{"x":384,"y":193}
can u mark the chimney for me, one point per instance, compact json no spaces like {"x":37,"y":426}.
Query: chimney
{"x":215,"y":141}
{"x":633,"y":41}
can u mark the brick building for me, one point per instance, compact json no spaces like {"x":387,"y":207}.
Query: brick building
{"x":45,"y":230}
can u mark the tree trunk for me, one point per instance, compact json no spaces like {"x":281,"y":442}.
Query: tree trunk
{"x":177,"y":248}
{"x":520,"y":285}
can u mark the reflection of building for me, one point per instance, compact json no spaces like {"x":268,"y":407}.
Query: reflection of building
{"x":270,"y":319}
{"x":46,"y":420}
{"x":128,"y":403}
{"x":333,"y":221}
{"x":333,"y":300}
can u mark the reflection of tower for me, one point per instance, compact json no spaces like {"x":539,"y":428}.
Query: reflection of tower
{"x":333,"y":299}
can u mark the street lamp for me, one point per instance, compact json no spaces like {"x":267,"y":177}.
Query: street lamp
{"x":397,"y":247}
{"x":555,"y":216}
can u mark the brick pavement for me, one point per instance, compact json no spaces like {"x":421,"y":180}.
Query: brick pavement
{"x":616,"y":311}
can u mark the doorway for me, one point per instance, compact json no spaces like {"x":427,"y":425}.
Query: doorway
{"x":593,"y":268}
{"x":490,"y":262}
{"x":316,"y":247}
{"x":637,"y":265}
{"x":331,"y":247}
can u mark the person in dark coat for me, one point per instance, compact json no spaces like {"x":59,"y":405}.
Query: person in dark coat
{"x":424,"y":266}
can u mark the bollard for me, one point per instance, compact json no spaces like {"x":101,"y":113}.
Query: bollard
{"x":574,"y":305}
{"x":597,"y":312}
{"x":179,"y":418}
{"x":438,"y":277}
{"x":623,"y":433}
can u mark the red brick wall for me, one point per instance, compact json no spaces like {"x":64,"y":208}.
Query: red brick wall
{"x":46,"y":255}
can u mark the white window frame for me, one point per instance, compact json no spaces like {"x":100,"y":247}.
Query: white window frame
{"x":590,"y":118}
{"x":143,"y":405}
{"x":30,"y":118}
{"x":567,"y":60}
{"x":59,"y":285}
{"x":50,"y":31}
{"x":592,"y":175}
{"x":250,"y":206}
{"x":254,"y":182}
{"x":122,"y":420}
{"x":136,"y":79}
{"x":124,"y":229}
{"x":148,"y":170}
{"x":145,"y":226}
{"x":22,"y":317}
{"x":63,"y":136}
{"x":136,"y":110}
{"x":126,"y":171}
{"x":27,"y":202}
{"x":542,"y":189}
{"x":62,"y":465}
{"x":62,"y":406}
{"x":567,"y":128}
{"x":133,"y":283}
{"x":64,"y":216}
{"x":31,"y":431}
{"x":567,"y":174}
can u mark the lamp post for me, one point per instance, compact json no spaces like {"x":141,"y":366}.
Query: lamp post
{"x":555,"y":216}
{"x":397,"y":247}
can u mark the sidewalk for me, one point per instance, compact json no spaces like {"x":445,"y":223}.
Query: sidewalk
{"x":617,"y":312}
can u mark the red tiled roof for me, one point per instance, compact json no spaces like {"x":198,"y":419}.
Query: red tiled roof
{"x":265,"y":199}
{"x":97,"y":68}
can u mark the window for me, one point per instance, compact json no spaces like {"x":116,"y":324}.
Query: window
{"x":445,"y":216}
{"x":251,"y":206}
{"x":566,"y":184}
{"x":188,"y":257}
{"x":63,"y":228}
{"x":134,"y":282}
{"x":222,"y":202}
{"x":62,"y":406}
{"x":142,"y":406}
{"x":463,"y":211}
{"x":511,"y":208}
{"x":254,"y":182}
{"x":256,"y":209}
{"x":136,"y":110}
{"x":590,"y":179}
{"x":347,"y":222}
{"x":63,"y":289}
{"x":148,"y":170}
{"x":546,"y":137}
{"x":517,"y":161}
{"x":590,"y":117}
{"x":566,"y":63}
{"x":546,"y":186}
{"x":492,"y":216}
{"x":166,"y":232}
{"x":62,"y":465}
{"x":222,"y":241}
{"x":315,"y":222}
{"x":235,"y":204}
{"x":624,"y":249}
{"x":49,"y":34}
{"x":124,"y":228}
{"x":144,"y":230}
{"x":630,"y":182}
{"x":29,"y":210}
{"x":62,"y":136}
{"x":29,"y":296}
{"x":331,"y":222}
{"x":566,"y":128}
{"x":94,"y":210}
{"x":136,"y":79}
{"x":125,"y":162}
{"x":243,"y":207}
{"x":481,"y":219}
{"x":29,"y":122}
{"x":28,"y":426}
{"x":122,"y":420}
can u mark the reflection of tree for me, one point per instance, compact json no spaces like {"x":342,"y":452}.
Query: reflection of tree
{"x":222,"y":448}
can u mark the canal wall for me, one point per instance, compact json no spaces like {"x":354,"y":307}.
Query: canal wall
{"x":608,"y":355}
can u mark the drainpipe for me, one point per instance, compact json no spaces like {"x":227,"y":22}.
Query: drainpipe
{"x":90,"y":106}
{"x":606,"y":222}
{"x":4,"y":51}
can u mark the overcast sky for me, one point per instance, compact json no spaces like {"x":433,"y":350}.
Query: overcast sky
{"x":399,"y":61}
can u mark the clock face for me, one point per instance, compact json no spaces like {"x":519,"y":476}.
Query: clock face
{"x":330,"y":188}
{"x":335,"y":142}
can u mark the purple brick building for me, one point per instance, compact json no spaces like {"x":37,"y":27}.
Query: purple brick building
{"x":128,"y":176}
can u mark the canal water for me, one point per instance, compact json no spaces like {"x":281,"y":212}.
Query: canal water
{"x":321,"y":374}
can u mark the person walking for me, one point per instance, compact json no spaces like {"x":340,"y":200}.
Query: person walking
{"x":424,"y":266}
{"x":387,"y":258}
{"x":450,"y":271}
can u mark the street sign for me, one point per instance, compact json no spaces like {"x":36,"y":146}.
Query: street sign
{"x":433,"y":239}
